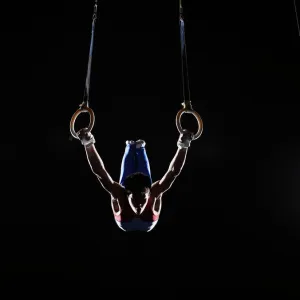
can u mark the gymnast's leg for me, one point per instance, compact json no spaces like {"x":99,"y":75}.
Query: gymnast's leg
{"x":128,"y":165}
{"x":142,"y":161}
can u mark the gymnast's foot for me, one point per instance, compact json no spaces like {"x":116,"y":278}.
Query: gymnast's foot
{"x":130,"y":142}
{"x":140,"y":143}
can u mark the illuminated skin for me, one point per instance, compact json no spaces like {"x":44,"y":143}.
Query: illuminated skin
{"x":138,"y":201}
{"x":120,"y":197}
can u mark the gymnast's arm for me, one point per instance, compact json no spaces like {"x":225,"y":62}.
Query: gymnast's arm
{"x":175,"y":166}
{"x":97,"y":165}
{"x":173,"y":171}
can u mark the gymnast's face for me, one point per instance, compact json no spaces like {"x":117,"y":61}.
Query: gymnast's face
{"x":138,"y":200}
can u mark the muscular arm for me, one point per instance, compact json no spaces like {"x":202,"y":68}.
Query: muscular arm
{"x":98,"y":168}
{"x":178,"y":161}
{"x":174,"y":170}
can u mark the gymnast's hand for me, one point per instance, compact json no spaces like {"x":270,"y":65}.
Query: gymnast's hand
{"x":86,"y":137}
{"x":185,"y":139}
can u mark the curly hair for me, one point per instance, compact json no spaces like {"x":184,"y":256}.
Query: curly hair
{"x":137,"y":182}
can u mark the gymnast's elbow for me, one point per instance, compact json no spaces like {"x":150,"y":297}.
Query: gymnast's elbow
{"x":174,"y":172}
{"x":101,"y":173}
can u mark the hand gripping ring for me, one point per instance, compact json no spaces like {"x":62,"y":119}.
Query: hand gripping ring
{"x":186,"y":110}
{"x":76,"y":114}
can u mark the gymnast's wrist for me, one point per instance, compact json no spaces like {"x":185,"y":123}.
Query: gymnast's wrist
{"x":89,"y":143}
{"x":181,"y":145}
{"x":88,"y":146}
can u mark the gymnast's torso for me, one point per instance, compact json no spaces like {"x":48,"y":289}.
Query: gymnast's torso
{"x":128,"y":220}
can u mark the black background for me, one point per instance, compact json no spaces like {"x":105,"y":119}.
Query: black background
{"x":232,"y":217}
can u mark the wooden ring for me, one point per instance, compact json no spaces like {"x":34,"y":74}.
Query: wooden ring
{"x":196,"y":115}
{"x":74,"y":117}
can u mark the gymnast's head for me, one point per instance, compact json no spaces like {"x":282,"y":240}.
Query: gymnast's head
{"x":137,"y":186}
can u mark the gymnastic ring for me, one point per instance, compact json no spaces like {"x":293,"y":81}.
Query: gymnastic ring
{"x":74,"y":117}
{"x":196,"y":115}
